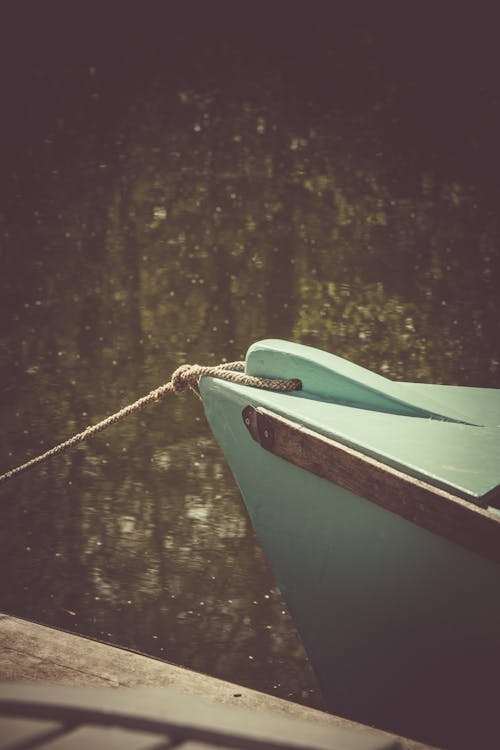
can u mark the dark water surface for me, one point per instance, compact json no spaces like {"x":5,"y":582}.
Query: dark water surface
{"x":173,"y":189}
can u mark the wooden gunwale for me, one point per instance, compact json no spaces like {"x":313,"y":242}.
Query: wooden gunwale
{"x":419,"y":502}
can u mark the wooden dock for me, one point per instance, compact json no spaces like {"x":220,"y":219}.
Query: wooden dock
{"x":33,"y":656}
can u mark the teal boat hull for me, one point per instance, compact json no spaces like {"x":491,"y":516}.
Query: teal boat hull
{"x":401,"y":624}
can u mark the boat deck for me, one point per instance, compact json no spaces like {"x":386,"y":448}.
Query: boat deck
{"x":167,"y":704}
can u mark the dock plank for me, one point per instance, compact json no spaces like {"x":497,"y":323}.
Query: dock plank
{"x":34,"y":653}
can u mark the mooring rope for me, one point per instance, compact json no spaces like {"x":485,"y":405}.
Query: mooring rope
{"x":186,"y":376}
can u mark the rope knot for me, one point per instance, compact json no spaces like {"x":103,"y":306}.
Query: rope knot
{"x":186,"y":376}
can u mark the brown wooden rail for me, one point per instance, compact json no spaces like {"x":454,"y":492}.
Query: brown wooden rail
{"x":417,"y":501}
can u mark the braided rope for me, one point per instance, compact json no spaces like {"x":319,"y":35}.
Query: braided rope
{"x":184,"y":377}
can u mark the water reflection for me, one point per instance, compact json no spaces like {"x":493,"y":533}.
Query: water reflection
{"x":179,"y":217}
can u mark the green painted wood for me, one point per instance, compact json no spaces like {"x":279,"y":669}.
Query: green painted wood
{"x":427,"y":506}
{"x":401,"y":624}
{"x":481,"y":404}
{"x":333,"y":378}
{"x":460,"y":457}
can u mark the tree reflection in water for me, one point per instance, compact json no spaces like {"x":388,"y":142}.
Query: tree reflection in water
{"x":172,"y":200}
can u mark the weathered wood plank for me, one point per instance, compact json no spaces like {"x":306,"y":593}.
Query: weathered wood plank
{"x":417,"y":501}
{"x":33,"y":653}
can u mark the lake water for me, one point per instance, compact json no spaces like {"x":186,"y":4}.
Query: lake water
{"x":172,"y":190}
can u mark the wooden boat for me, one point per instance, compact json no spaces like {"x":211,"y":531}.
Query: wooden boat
{"x":377,"y":504}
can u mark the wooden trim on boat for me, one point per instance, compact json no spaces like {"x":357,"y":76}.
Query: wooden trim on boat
{"x":417,"y":501}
